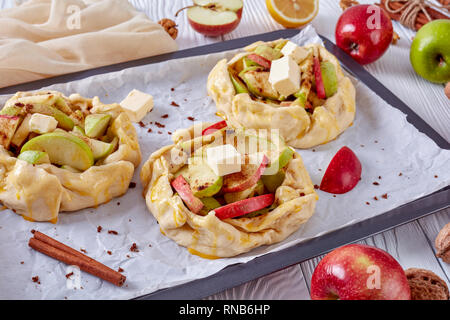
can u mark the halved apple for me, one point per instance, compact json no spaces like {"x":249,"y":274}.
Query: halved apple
{"x":215,"y":17}
{"x":184,"y":190}
{"x":34,"y":157}
{"x":245,"y":206}
{"x":8,"y":126}
{"x":247,"y":177}
{"x":63,"y":149}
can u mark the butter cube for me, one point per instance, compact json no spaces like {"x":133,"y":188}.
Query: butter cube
{"x":223,"y":159}
{"x":137,"y":104}
{"x":285,"y":76}
{"x":41,"y":123}
{"x":294,"y":51}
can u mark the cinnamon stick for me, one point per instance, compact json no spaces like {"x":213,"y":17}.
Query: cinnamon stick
{"x":59,"y":251}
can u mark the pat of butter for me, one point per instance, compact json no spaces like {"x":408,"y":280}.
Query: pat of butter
{"x":285,"y":76}
{"x":41,"y":123}
{"x":223,"y":159}
{"x":294,"y":51}
{"x":137,"y":104}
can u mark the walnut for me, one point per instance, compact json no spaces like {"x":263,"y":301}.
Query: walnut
{"x":170,"y":26}
{"x":345,"y":4}
{"x":442,"y":244}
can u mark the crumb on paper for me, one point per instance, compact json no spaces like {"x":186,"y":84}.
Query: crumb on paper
{"x":395,"y":38}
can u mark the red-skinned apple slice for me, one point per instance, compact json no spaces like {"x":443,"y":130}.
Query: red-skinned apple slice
{"x":343,"y":172}
{"x":213,"y":128}
{"x":246,"y":178}
{"x":260,"y":60}
{"x":184,"y":190}
{"x":215,"y":18}
{"x":245,"y":206}
{"x":319,"y":81}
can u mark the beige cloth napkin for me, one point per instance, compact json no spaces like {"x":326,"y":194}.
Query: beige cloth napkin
{"x":45,"y":38}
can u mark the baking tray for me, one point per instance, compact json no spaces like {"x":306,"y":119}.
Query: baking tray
{"x":237,"y":274}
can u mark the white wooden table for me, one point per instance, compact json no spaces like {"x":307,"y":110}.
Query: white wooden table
{"x":411,"y":244}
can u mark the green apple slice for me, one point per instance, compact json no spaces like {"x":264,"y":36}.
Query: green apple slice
{"x":78,"y":130}
{"x":22,"y":132}
{"x":209,"y":204}
{"x":239,"y":86}
{"x":95,"y":124}
{"x":63,"y":149}
{"x":12,"y":111}
{"x":258,"y":84}
{"x":329,"y":78}
{"x":34,"y":157}
{"x":280,"y":161}
{"x":268,"y":52}
{"x":203,"y":181}
{"x":100,"y":149}
{"x":272,"y":182}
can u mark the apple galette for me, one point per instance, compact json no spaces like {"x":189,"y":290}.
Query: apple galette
{"x":301,"y":91}
{"x":221,"y":192}
{"x":61,"y":153}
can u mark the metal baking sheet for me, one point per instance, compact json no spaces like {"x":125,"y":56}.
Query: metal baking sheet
{"x":237,"y":274}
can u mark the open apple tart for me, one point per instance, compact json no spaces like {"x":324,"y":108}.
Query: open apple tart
{"x":301,"y":91}
{"x":61,"y":153}
{"x":221,"y":192}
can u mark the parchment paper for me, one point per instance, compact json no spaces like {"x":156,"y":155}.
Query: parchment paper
{"x":384,"y":141}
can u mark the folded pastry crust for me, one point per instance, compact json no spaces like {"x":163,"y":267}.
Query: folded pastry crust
{"x":40,"y":192}
{"x":299,"y":128}
{"x":208,"y":236}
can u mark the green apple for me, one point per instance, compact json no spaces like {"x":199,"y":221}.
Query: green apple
{"x":329,"y":78}
{"x":268,"y":52}
{"x":22,"y":132}
{"x":239,"y":86}
{"x":258,"y":83}
{"x":34,"y":157}
{"x":202,"y":180}
{"x":272,"y":182}
{"x":279,"y":161}
{"x":430,"y":51}
{"x":100,"y":149}
{"x":8,"y":126}
{"x":209,"y":204}
{"x":63,"y":149}
{"x":13,"y":111}
{"x":95,"y":124}
{"x":78,"y":130}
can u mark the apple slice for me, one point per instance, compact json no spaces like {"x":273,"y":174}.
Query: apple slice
{"x":320,"y":88}
{"x":184,"y":190}
{"x":209,"y":204}
{"x":214,"y":18}
{"x":95,"y":124}
{"x":63,"y":149}
{"x":34,"y":157}
{"x":8,"y":126}
{"x":22,"y":132}
{"x":266,"y":63}
{"x":212,"y":128}
{"x":246,"y":178}
{"x":343,"y":172}
{"x":245,"y":206}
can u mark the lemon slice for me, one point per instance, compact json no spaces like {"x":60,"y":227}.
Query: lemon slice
{"x":293,"y":13}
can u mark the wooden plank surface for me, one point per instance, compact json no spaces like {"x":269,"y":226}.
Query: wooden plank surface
{"x":411,"y":244}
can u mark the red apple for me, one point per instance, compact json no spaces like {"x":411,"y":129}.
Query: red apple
{"x":320,"y":88}
{"x":364,"y":32}
{"x":184,"y":190}
{"x":214,"y":127}
{"x":246,"y":178}
{"x":359,"y":272}
{"x":266,"y":63}
{"x":343,"y":172}
{"x":239,"y":208}
{"x":215,"y":17}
